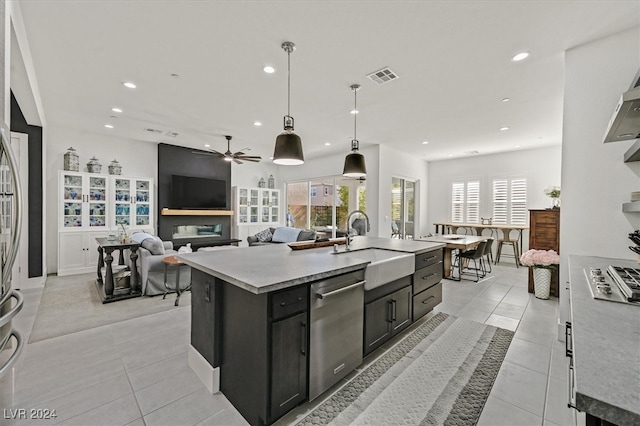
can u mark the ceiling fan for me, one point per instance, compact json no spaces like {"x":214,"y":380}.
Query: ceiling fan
{"x":237,"y":157}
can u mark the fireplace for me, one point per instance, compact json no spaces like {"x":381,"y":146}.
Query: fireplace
{"x":196,"y":231}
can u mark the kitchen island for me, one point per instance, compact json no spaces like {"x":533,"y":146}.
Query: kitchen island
{"x":259,"y":315}
{"x":603,"y":342}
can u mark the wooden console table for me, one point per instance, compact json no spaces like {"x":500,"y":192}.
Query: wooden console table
{"x":106,"y":289}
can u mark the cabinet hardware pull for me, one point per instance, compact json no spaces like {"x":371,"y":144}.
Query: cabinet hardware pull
{"x":389,"y":310}
{"x":426,"y":259}
{"x":568,"y":340}
{"x":340,"y":290}
{"x":303,"y":340}
{"x":427,"y":299}
{"x":393,"y":305}
{"x":572,"y":401}
{"x":429,"y":276}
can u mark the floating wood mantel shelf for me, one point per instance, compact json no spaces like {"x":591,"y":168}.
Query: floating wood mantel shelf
{"x":179,"y":212}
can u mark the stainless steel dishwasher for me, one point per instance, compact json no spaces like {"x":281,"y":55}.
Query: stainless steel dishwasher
{"x":335,"y":332}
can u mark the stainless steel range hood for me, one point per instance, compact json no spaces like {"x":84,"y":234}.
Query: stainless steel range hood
{"x":625,"y":123}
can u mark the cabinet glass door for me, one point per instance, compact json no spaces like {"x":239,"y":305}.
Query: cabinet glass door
{"x":143,"y":202}
{"x":97,"y":202}
{"x":274,"y":204}
{"x":243,"y":214}
{"x":253,"y":198}
{"x":265,"y":214}
{"x":72,"y":201}
{"x":122,"y":202}
{"x":253,"y":217}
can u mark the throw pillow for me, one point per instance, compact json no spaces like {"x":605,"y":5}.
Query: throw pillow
{"x":154,"y":246}
{"x":264,"y":236}
{"x":285,"y":235}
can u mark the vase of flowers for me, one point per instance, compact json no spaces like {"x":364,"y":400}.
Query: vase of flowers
{"x":542,"y":262}
{"x":553,"y":192}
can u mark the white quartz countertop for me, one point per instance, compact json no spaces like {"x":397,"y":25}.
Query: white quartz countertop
{"x":262,"y":269}
{"x":606,"y":347}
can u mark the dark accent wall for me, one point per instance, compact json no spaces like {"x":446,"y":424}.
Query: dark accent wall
{"x":177,"y":160}
{"x":34,"y":194}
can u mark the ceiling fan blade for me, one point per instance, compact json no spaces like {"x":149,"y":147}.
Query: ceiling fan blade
{"x":251,"y":159}
{"x":235,"y":154}
{"x":235,"y":160}
{"x":246,"y":157}
{"x":208,"y":154}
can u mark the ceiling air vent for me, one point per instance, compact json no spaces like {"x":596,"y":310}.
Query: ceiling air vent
{"x":472,"y":152}
{"x":383,"y":76}
{"x":154,"y":131}
{"x":172,"y":134}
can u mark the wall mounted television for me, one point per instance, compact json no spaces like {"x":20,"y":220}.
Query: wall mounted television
{"x":188,"y":192}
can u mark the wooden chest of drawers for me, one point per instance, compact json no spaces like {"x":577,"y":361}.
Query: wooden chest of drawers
{"x":544,"y":234}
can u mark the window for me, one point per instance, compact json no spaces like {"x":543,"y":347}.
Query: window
{"x":314,"y":191}
{"x":326,"y":191}
{"x":510,"y":201}
{"x":465,"y":201}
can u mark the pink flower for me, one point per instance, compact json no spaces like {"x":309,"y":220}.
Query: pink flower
{"x":543,"y":258}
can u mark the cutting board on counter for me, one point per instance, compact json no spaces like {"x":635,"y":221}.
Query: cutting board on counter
{"x":304,"y":245}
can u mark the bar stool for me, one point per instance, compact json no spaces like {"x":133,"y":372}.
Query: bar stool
{"x":506,"y":240}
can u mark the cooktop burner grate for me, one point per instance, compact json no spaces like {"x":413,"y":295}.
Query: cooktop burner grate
{"x":627,"y":280}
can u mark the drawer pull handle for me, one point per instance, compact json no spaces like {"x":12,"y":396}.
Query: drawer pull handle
{"x":568,"y":339}
{"x":426,"y":259}
{"x":429,"y":276}
{"x":299,"y":299}
{"x":424,"y":302}
{"x":340,"y":290}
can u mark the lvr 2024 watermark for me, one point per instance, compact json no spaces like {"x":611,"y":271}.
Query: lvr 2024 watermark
{"x":31,"y":413}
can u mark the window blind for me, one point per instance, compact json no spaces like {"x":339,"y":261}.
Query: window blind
{"x":457,"y":202}
{"x":473,"y":201}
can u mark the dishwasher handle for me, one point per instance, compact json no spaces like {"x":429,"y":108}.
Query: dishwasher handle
{"x":338,"y":291}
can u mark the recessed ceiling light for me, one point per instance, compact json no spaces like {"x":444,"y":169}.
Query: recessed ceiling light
{"x":257,"y":123}
{"x":516,"y":146}
{"x":506,"y":99}
{"x":116,"y":109}
{"x":354,"y":111}
{"x":327,"y":143}
{"x":425,"y":142}
{"x":269,"y":69}
{"x":108,"y":126}
{"x":450,"y":155}
{"x":504,"y":128}
{"x":206,"y":145}
{"x":129,"y":84}
{"x":520,"y":56}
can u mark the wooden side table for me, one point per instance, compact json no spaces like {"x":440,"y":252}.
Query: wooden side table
{"x":173,"y":262}
{"x":105,"y":259}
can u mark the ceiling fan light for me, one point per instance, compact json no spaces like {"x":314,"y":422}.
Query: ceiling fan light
{"x":288,"y":149}
{"x":354,"y":165}
{"x":229,"y":159}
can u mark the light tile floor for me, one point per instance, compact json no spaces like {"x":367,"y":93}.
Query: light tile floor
{"x":135,"y":372}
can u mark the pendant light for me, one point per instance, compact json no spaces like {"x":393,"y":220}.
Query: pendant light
{"x":288,"y":150}
{"x":354,"y":162}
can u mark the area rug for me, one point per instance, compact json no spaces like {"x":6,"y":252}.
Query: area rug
{"x":72,"y":304}
{"x":440,"y":374}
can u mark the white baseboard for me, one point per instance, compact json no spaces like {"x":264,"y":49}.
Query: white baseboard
{"x":206,"y":373}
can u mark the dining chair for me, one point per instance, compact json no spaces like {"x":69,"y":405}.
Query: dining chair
{"x":488,"y":254}
{"x":469,"y":255}
{"x":506,"y":240}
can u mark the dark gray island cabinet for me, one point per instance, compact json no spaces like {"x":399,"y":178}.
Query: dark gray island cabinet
{"x":256,"y":312}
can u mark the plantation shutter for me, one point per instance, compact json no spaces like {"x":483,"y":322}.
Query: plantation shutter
{"x":457,"y":202}
{"x":519,"y":201}
{"x":500,"y":201}
{"x":473,"y":201}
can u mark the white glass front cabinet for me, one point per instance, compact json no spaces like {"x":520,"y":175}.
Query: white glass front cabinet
{"x":131,"y":202}
{"x":256,"y":206}
{"x":82,"y":200}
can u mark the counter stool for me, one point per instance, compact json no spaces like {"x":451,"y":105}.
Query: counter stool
{"x":173,"y":262}
{"x":506,"y":240}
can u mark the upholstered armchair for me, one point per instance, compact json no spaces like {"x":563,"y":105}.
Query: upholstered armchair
{"x":151,"y":269}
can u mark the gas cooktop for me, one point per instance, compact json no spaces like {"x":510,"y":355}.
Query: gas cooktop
{"x":618,"y":285}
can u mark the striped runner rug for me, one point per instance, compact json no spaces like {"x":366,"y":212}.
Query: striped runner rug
{"x":441,"y":373}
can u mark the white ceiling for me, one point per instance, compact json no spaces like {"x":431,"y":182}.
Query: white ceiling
{"x":452,"y":57}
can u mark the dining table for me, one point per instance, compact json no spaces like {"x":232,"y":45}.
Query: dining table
{"x":453,"y":242}
{"x":505,"y":229}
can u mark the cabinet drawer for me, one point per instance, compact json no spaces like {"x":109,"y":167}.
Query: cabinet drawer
{"x":426,"y":301}
{"x":428,"y":258}
{"x":427,"y":277}
{"x":289,"y":302}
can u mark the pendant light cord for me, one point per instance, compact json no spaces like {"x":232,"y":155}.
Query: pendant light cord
{"x":355,"y":112}
{"x":289,"y":83}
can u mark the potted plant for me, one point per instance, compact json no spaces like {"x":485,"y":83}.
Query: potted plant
{"x":542,"y":262}
{"x":553,"y":192}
